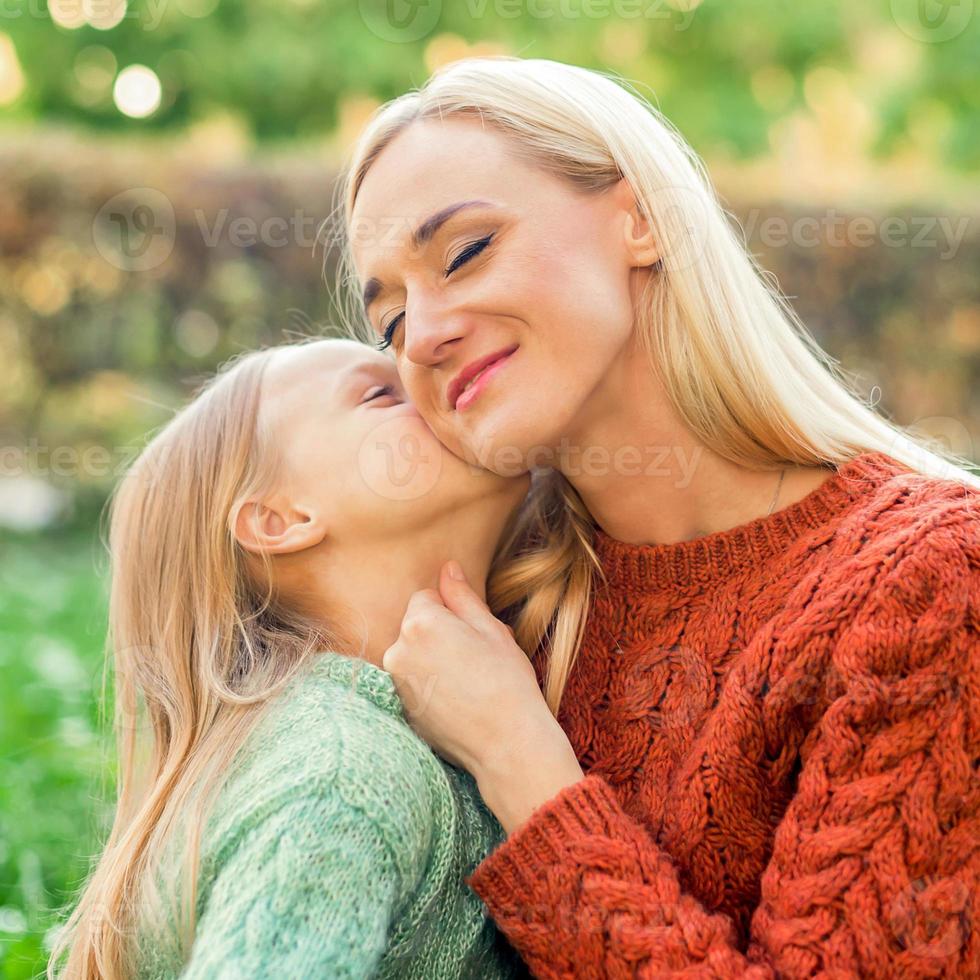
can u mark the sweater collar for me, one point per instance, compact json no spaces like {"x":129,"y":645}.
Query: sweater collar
{"x":720,"y":554}
{"x":362,"y":677}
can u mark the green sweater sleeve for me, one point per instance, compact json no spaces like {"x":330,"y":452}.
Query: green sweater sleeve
{"x":310,"y":890}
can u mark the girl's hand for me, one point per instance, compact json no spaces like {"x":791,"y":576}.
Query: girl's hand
{"x":470,"y":691}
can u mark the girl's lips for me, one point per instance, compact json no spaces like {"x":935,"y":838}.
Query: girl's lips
{"x":472,"y":393}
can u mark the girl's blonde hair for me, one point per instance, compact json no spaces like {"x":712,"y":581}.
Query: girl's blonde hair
{"x":200,"y":641}
{"x":735,"y":360}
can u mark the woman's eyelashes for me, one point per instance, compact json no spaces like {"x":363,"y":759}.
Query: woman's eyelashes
{"x":389,"y":333}
{"x":469,"y":252}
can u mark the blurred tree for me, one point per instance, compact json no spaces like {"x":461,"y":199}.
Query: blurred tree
{"x":724,"y":71}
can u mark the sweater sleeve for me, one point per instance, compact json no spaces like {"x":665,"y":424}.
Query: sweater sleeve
{"x":309,"y":891}
{"x":875,"y":867}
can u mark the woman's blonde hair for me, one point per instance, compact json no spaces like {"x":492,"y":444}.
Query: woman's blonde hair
{"x":200,"y":640}
{"x":736,"y":362}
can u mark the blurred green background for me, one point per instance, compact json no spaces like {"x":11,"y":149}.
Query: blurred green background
{"x":166,"y":166}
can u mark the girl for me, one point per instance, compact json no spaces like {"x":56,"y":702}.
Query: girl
{"x":277,"y":816}
{"x":755,"y":753}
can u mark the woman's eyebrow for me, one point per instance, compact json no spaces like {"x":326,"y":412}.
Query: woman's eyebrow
{"x":421,"y":237}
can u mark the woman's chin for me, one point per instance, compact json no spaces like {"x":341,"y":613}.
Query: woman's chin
{"x":509,"y":439}
{"x":466,"y":486}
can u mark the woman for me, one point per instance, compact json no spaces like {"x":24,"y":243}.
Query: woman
{"x":277,"y":816}
{"x":758,"y":623}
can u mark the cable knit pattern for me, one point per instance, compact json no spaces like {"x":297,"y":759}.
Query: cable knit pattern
{"x":780,"y":726}
{"x":338,"y":848}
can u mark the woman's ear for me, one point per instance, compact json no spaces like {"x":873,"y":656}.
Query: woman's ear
{"x":274,"y":527}
{"x":638,"y":236}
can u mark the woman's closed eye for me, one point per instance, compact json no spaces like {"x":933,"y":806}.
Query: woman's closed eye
{"x":469,"y":252}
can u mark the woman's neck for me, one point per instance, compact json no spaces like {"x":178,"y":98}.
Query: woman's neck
{"x":647,"y":479}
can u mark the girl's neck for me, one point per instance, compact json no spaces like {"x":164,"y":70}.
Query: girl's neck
{"x":367,"y":586}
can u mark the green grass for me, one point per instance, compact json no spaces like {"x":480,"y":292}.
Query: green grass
{"x":54,"y":777}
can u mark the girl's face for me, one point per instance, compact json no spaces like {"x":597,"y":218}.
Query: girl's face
{"x":356,"y":451}
{"x":509,"y":266}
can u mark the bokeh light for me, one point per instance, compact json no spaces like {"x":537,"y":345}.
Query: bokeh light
{"x":67,"y":13}
{"x":197,"y":333}
{"x":94,"y":70}
{"x":103,"y":15}
{"x":137,"y":92}
{"x":11,"y":74}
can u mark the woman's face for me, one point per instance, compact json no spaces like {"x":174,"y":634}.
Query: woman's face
{"x":537,"y":278}
{"x":356,"y":451}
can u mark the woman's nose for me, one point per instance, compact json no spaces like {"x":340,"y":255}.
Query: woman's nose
{"x":431,"y":331}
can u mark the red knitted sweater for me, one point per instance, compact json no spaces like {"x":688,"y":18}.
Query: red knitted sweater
{"x":780,"y":727}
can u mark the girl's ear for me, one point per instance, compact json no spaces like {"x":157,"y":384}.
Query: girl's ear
{"x":274,"y":527}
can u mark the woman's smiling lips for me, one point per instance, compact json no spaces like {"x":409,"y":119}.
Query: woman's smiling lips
{"x":461,"y":396}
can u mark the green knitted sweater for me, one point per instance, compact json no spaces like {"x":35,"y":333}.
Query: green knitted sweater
{"x":338,"y":847}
